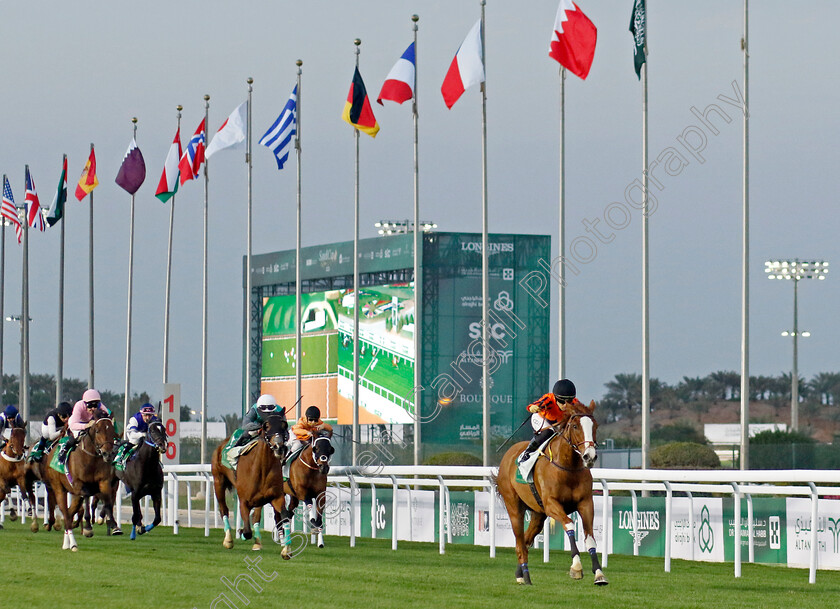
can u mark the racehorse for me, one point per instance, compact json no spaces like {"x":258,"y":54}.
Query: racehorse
{"x":144,"y":475}
{"x":307,"y":482}
{"x":13,"y":471}
{"x":258,"y":478}
{"x":37,"y":470}
{"x":562,"y":485}
{"x":89,"y":473}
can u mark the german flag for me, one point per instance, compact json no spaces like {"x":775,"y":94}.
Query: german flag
{"x":357,"y":110}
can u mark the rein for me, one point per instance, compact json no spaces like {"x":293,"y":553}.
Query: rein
{"x":562,"y":433}
{"x":11,"y":459}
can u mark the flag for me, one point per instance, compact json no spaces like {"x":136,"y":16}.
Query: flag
{"x":57,"y":209}
{"x":32,"y":204}
{"x":88,"y":181}
{"x":638,"y":27}
{"x":10,"y":210}
{"x":357,"y":110}
{"x":279,"y":136}
{"x":132,"y":172}
{"x":399,"y":84}
{"x":168,"y":185}
{"x":231,"y":133}
{"x":467,"y":68}
{"x":573,"y":40}
{"x":193,"y":156}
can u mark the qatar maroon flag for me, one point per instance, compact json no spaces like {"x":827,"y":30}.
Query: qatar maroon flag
{"x":573,"y":40}
{"x":132,"y":172}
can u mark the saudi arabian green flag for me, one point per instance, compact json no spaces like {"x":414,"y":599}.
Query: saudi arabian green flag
{"x":57,"y":209}
{"x":638,"y":27}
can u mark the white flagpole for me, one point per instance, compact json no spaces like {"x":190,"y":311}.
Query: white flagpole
{"x":90,"y":288}
{"x":23,"y":398}
{"x":204,"y":294}
{"x":59,"y":377}
{"x":169,"y":275}
{"x":248,"y":284}
{"x":298,"y":286}
{"x":745,"y":260}
{"x":645,"y":266}
{"x":2,"y":291}
{"x":485,"y":275}
{"x":418,"y":277}
{"x":127,"y":401}
{"x":561,"y":301}
{"x":356,"y":438}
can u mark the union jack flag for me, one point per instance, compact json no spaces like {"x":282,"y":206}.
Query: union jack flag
{"x":10,"y":210}
{"x":33,"y":205}
{"x":193,"y":155}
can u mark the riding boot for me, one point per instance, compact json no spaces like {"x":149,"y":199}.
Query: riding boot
{"x":540,"y":437}
{"x":65,"y":450}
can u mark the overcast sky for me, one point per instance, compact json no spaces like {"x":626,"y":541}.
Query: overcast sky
{"x":75,"y":73}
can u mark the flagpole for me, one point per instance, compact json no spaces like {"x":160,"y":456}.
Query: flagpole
{"x":745,"y":259}
{"x":179,"y":107}
{"x":204,"y":298}
{"x":561,"y":302}
{"x":645,"y":265}
{"x":90,"y":288}
{"x":357,"y":42}
{"x":485,"y":288}
{"x":248,"y":284}
{"x":23,"y":398}
{"x":127,"y":401}
{"x":2,"y":293}
{"x":418,"y":278}
{"x":298,"y":338}
{"x":59,"y":379}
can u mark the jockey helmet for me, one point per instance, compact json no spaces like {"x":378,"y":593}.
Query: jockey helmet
{"x":266,"y":403}
{"x":564,"y":389}
{"x":147,"y":409}
{"x":313,"y":413}
{"x":91,"y":395}
{"x":10,"y":412}
{"x":64,"y":409}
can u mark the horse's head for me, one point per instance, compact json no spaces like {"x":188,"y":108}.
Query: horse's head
{"x":103,"y":436}
{"x":157,"y":436}
{"x":579,"y":430}
{"x":275,"y":432}
{"x":322,"y":450}
{"x":15,"y":447}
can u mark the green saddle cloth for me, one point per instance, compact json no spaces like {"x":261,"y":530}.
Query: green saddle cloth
{"x":234,"y":438}
{"x":54,"y":462}
{"x":124,"y":453}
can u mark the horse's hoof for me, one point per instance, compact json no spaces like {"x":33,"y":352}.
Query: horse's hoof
{"x":47,"y":526}
{"x":576,"y":573}
{"x":256,"y":547}
{"x":228,"y":543}
{"x":100,"y":520}
{"x":321,"y":545}
{"x":34,"y":526}
{"x":87,"y":532}
{"x":117,"y":531}
{"x":600,"y":578}
{"x":13,"y":515}
{"x":285,"y":553}
{"x":74,"y":549}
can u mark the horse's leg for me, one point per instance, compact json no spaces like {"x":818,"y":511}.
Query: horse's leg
{"x":537,"y":522}
{"x":219,"y":489}
{"x":26,"y":487}
{"x":156,"y":505}
{"x":69,"y":538}
{"x":136,"y":516}
{"x":556,"y":511}
{"x":245,"y":510}
{"x":257,"y":518}
{"x":586,"y":509}
{"x":516,"y":513}
{"x":282,"y":521}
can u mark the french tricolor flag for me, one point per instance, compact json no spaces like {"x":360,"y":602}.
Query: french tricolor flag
{"x":467,"y":69}
{"x":399,"y":84}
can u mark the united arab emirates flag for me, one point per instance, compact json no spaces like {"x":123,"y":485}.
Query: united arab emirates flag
{"x":57,"y":209}
{"x":638,"y":27}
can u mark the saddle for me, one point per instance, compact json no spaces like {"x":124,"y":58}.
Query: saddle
{"x":287,"y":466}
{"x":525,"y":471}
{"x":231,"y":453}
{"x":125,"y":453}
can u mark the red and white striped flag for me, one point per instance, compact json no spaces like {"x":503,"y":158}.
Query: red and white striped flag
{"x":10,"y":210}
{"x":33,"y":205}
{"x":466,"y":69}
{"x":573,"y":40}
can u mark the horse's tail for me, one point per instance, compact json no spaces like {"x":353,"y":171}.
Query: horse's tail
{"x":494,"y":480}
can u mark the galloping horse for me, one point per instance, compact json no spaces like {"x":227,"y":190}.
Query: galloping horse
{"x":89,"y":473}
{"x":13,"y":471}
{"x":258,"y":478}
{"x":144,"y":475}
{"x":562,"y":483}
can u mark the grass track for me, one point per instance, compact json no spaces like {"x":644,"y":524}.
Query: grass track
{"x":164,"y":571}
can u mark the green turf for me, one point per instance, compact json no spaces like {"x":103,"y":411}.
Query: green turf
{"x":162,"y":570}
{"x":319,"y":355}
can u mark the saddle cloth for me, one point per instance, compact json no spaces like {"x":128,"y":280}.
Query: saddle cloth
{"x":54,"y":462}
{"x":231,"y":453}
{"x":125,"y":453}
{"x":287,"y":466}
{"x":525,"y":470}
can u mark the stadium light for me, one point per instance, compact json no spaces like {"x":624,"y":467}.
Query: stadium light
{"x":398,"y":227}
{"x":795,"y":270}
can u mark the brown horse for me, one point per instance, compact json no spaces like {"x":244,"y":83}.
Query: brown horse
{"x":37,"y":471}
{"x":563,"y":485}
{"x":89,"y":473}
{"x":258,"y":478}
{"x":13,"y":471}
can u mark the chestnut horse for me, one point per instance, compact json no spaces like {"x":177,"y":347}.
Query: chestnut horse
{"x":563,"y":485}
{"x":89,"y":473}
{"x":13,"y":471}
{"x":258,"y":478}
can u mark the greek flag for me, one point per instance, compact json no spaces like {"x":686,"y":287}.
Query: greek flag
{"x":279,"y":136}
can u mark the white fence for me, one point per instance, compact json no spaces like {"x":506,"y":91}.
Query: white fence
{"x":812,"y":520}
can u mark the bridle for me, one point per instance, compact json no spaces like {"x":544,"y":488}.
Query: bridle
{"x":267,"y":438}
{"x":9,"y":457}
{"x":312,"y":443}
{"x":100,"y":447}
{"x":158,"y":444}
{"x":565,"y":432}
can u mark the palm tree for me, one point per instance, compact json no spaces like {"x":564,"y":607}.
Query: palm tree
{"x":625,"y":391}
{"x":825,"y":385}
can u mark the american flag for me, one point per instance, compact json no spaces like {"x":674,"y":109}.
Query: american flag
{"x":278,"y":138}
{"x":33,"y":205}
{"x":193,"y":155}
{"x":10,"y":210}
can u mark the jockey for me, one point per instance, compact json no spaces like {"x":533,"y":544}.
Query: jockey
{"x":81,"y":419}
{"x":138,"y":425}
{"x":310,"y":424}
{"x":547,"y":411}
{"x":252,"y":422}
{"x":53,"y":426}
{"x":9,"y":419}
